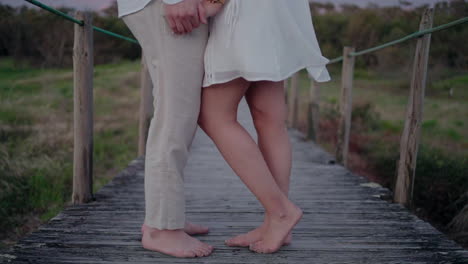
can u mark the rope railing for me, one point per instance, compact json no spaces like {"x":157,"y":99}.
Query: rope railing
{"x":401,"y":40}
{"x":79,"y":22}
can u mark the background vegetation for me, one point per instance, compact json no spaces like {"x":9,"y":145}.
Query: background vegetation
{"x":36,"y":138}
{"x":36,"y":90}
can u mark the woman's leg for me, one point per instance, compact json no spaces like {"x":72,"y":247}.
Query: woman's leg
{"x":268,"y":109}
{"x":269,"y":113}
{"x":218,"y":118}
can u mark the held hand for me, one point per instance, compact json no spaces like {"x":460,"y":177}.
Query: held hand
{"x":212,"y":8}
{"x":185,"y":16}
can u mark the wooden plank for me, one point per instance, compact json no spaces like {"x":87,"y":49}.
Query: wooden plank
{"x":409,"y":142}
{"x":346,"y":107}
{"x":83,"y":67}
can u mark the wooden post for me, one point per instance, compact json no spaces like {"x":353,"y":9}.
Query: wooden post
{"x":83,"y":66}
{"x":313,"y":116}
{"x":146,"y":107}
{"x":411,"y":134}
{"x":293,"y":101}
{"x":344,"y":126}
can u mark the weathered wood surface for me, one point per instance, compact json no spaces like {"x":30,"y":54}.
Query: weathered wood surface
{"x":83,"y":70}
{"x":409,"y":143}
{"x":346,"y":106}
{"x":345,"y":219}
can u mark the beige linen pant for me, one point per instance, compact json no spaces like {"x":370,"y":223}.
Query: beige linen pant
{"x":175,"y":63}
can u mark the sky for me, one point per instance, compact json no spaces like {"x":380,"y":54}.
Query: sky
{"x":100,"y":4}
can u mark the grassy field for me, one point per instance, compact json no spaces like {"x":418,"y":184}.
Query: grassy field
{"x":445,"y":107}
{"x":36,"y":138}
{"x":36,"y":135}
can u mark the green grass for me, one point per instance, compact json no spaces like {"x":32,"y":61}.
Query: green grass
{"x":36,"y":136}
{"x":456,"y":84}
{"x":444,"y":115}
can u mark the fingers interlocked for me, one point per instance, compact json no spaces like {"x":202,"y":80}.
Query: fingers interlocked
{"x":185,"y":16}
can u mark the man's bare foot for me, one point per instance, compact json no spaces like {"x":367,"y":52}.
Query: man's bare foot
{"x":277,"y":231}
{"x":175,"y":243}
{"x":245,"y":240}
{"x":190,"y":228}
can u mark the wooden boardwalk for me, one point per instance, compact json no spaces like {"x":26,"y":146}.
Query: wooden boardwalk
{"x":345,"y":218}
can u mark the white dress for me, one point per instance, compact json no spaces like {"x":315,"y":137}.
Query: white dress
{"x":263,"y":40}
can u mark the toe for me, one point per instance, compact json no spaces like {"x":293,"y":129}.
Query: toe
{"x":236,"y":241}
{"x":199,"y":252}
{"x":190,"y":254}
{"x":206,"y":252}
{"x":210,"y":248}
{"x":256,"y":247}
{"x":252,"y":247}
{"x":207,"y":247}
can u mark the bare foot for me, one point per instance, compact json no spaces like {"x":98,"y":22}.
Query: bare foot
{"x":277,"y":231}
{"x":194,"y":229}
{"x":190,"y":228}
{"x":175,"y":243}
{"x":245,"y":240}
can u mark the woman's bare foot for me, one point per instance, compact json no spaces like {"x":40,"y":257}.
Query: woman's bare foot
{"x":212,"y":8}
{"x":175,"y":243}
{"x":245,"y":240}
{"x":190,"y":228}
{"x":277,"y":231}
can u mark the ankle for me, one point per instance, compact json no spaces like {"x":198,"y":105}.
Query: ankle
{"x":284,"y":211}
{"x":157,"y":232}
{"x":277,"y":214}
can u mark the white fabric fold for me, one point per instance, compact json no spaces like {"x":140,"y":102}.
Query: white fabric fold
{"x":263,"y":40}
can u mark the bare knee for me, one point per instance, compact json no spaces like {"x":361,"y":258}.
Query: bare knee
{"x":204,"y":120}
{"x":212,"y":121}
{"x":271,"y":119}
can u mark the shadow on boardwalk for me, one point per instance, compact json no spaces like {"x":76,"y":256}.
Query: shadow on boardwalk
{"x":345,"y":219}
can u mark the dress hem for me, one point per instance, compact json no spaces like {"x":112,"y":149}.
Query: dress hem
{"x":320,"y":77}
